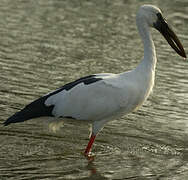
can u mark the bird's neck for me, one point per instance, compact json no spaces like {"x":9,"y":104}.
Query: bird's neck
{"x":149,"y":60}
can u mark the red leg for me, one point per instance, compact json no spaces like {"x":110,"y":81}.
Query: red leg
{"x":88,"y":148}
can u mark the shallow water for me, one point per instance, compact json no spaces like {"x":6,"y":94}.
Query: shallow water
{"x":45,"y":44}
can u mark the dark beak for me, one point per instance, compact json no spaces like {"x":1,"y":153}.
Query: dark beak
{"x":162,"y":26}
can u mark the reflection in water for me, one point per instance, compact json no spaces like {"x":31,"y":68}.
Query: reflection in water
{"x":94,"y":174}
{"x":48,"y":43}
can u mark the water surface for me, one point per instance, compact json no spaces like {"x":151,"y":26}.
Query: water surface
{"x":47,"y":43}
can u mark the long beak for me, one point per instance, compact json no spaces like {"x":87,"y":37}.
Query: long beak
{"x":162,"y":26}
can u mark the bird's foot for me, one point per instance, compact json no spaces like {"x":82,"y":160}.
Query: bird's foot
{"x":89,"y":156}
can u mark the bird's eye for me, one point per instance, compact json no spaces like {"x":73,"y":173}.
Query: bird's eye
{"x":159,"y":15}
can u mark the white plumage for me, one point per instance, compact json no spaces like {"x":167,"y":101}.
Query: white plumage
{"x":114,"y":95}
{"x":102,"y":97}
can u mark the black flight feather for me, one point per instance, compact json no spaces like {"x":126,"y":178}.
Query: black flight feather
{"x":38,"y":108}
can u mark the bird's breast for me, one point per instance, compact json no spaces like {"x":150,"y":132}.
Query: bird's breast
{"x":136,"y":91}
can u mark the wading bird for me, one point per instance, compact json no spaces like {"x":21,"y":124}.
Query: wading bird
{"x":99,"y":98}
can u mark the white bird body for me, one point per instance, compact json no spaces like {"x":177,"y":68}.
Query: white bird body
{"x":114,"y":95}
{"x":102,"y":97}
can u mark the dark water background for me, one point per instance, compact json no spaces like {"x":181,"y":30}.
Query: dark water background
{"x":46,"y":43}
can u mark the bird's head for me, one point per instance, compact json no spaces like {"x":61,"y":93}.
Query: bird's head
{"x":152,"y":15}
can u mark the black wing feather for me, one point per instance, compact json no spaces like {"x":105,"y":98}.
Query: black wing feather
{"x":38,"y":108}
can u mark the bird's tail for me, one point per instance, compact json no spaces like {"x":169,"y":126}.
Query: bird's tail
{"x":35,"y":109}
